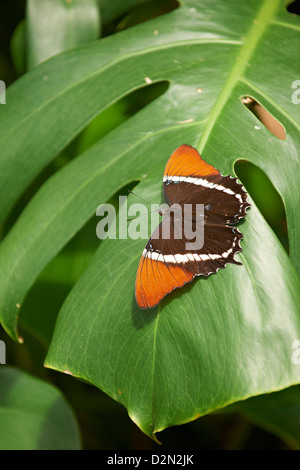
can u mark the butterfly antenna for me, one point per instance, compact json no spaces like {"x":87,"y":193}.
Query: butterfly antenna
{"x":142,"y":215}
{"x":131,"y":192}
{"x":147,"y":202}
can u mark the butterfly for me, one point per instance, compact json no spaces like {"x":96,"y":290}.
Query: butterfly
{"x":168,"y":262}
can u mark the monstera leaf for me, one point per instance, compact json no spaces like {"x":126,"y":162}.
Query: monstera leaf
{"x":34,"y":415}
{"x":218,"y":340}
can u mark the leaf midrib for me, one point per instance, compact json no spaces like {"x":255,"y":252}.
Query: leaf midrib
{"x":259,"y":26}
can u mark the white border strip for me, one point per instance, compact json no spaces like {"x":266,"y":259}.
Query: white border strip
{"x":179,"y":258}
{"x":201,"y":182}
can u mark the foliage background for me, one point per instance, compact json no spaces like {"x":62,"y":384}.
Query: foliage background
{"x":103,"y":422}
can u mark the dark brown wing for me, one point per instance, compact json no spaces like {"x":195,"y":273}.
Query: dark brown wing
{"x":196,"y":182}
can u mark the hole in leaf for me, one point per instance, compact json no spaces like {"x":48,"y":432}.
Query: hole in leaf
{"x":60,"y":275}
{"x":114,"y":115}
{"x":147,"y":10}
{"x":266,"y":198}
{"x":264,"y":116}
{"x":294,"y":7}
{"x":101,"y":125}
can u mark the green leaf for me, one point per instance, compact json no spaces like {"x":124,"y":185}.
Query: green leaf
{"x":278,"y":413}
{"x":55,"y":283}
{"x":17,"y":47}
{"x":204,"y":347}
{"x":34,"y":415}
{"x":218,"y":340}
{"x":111,"y":10}
{"x":54,"y":26}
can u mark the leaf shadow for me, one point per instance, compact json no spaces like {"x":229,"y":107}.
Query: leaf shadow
{"x":142,"y":317}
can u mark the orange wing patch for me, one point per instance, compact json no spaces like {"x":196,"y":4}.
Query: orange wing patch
{"x":186,"y":161}
{"x":155,"y":279}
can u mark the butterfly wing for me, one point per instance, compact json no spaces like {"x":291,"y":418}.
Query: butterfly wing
{"x":188,"y":179}
{"x":166,"y":264}
{"x":155,"y":277}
